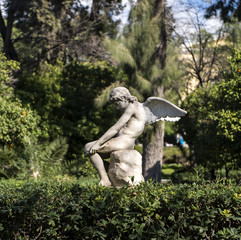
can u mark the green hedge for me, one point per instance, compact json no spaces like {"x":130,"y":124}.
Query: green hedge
{"x":68,"y":210}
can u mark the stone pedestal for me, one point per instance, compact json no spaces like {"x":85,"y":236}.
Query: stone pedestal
{"x":125,"y":168}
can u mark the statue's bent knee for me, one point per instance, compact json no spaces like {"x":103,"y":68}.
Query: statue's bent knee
{"x":87,"y":148}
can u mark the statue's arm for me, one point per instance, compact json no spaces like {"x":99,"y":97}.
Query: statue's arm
{"x":111,"y":132}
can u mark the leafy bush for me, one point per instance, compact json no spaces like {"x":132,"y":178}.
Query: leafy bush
{"x":16,"y":122}
{"x":212,"y":125}
{"x":67,"y":210}
{"x":34,"y":159}
{"x":81,"y":168}
{"x":10,"y":164}
{"x":64,"y":98}
{"x":45,"y":159}
{"x":80,"y":119}
{"x":7,"y":67}
{"x":40,"y":90}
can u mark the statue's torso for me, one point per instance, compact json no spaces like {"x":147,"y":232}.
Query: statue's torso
{"x":135,"y":126}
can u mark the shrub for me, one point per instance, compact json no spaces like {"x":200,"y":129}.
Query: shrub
{"x":40,"y":90}
{"x":212,"y":124}
{"x":81,"y":167}
{"x":16,"y":122}
{"x":9,"y":163}
{"x":43,"y":159}
{"x":64,"y":97}
{"x":67,"y":210}
{"x":81,"y":120}
{"x":7,"y":67}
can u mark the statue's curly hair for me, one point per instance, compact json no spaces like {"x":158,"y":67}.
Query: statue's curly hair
{"x":120,"y":93}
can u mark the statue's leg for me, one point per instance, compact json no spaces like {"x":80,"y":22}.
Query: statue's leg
{"x":114,"y":144}
{"x":117,"y":143}
{"x":98,"y":164}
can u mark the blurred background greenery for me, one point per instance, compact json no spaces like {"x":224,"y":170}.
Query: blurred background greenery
{"x":59,"y":61}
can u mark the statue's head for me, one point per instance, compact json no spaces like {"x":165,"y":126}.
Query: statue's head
{"x":121,"y":93}
{"x":122,"y":97}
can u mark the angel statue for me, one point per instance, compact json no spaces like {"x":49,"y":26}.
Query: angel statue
{"x":119,"y":140}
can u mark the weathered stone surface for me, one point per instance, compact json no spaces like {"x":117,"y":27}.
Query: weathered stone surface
{"x":125,"y":168}
{"x":126,"y":165}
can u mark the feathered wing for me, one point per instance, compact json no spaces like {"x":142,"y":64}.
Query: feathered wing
{"x":160,"y":109}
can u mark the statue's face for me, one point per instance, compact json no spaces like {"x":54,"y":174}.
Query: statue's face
{"x":121,"y":104}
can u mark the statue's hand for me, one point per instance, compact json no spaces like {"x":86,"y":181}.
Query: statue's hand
{"x":95,"y":148}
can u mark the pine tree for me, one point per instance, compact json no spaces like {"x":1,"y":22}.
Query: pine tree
{"x":227,"y":9}
{"x":141,"y":52}
{"x":34,"y":31}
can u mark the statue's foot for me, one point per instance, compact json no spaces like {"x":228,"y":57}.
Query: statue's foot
{"x":105,"y":183}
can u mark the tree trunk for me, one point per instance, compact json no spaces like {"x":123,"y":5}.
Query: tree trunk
{"x":6,"y":33}
{"x":162,"y":46}
{"x":153,"y":152}
{"x":153,"y":143}
{"x":2,"y":26}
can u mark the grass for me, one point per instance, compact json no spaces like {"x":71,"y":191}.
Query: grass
{"x":169,"y":152}
{"x":169,"y":169}
{"x":174,"y":154}
{"x":173,"y":159}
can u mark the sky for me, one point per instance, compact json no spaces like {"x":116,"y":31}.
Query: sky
{"x":182,"y":17}
{"x":123,"y":16}
{"x":185,"y":20}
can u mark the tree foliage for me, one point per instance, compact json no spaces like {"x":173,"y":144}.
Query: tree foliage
{"x":141,"y":51}
{"x":136,"y":49}
{"x":7,"y":80}
{"x":16,"y":120}
{"x":227,"y":10}
{"x":203,"y":51}
{"x":233,"y":34}
{"x":41,"y":91}
{"x":64,"y":98}
{"x":212,"y":125}
{"x":36,"y":31}
{"x":81,"y":121}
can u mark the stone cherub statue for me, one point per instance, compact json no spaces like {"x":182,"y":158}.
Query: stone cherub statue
{"x":118,"y":141}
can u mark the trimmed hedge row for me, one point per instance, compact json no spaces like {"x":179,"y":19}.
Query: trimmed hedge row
{"x":67,"y":210}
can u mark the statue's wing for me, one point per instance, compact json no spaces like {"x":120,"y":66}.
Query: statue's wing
{"x":160,"y":109}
